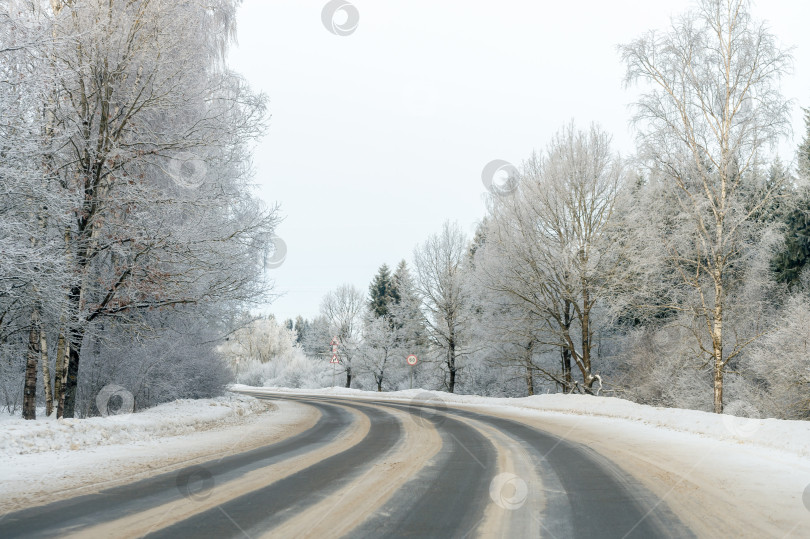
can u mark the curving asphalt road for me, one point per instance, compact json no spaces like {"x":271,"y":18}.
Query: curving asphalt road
{"x":376,"y":469}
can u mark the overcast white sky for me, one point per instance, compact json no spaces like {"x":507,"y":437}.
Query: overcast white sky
{"x":379,"y":136}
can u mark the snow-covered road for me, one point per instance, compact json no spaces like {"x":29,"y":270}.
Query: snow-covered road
{"x":417,"y":463}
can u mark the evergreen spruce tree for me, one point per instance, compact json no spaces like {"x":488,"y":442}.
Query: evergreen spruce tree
{"x":406,"y":313}
{"x":382,"y":292}
{"x":794,"y":257}
{"x":480,"y":237}
{"x":804,"y":149}
{"x":301,"y":329}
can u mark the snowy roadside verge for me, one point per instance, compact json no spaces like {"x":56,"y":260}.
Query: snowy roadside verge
{"x":20,"y":437}
{"x":115,"y":452}
{"x":782,"y":435}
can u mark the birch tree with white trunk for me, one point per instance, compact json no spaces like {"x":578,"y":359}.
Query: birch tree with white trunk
{"x":32,"y":272}
{"x":709,"y":107}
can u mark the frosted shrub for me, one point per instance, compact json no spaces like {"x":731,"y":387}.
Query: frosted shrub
{"x":781,"y":363}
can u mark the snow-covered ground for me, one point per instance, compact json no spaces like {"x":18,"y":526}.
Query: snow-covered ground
{"x":785,"y":436}
{"x":48,"y":459}
{"x":20,"y":437}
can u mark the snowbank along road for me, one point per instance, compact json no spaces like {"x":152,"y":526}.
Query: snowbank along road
{"x":366,"y":468}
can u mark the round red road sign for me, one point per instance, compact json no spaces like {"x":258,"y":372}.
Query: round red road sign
{"x":412,"y":360}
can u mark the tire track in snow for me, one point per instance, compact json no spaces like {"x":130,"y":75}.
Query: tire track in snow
{"x":340,"y":513}
{"x":379,"y":468}
{"x":446,"y":498}
{"x":589,"y":495}
{"x":253,"y":512}
{"x":183,"y":508}
{"x":81,"y":512}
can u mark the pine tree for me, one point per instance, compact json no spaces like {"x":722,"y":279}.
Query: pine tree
{"x":382,"y":292}
{"x":480,"y":237}
{"x":302,"y":327}
{"x":804,"y":149}
{"x":405,"y":311}
{"x":789,"y":263}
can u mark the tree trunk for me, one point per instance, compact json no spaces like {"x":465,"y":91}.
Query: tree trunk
{"x":29,"y":410}
{"x":566,"y":367}
{"x":71,"y":382}
{"x":529,"y":380}
{"x":46,"y":373}
{"x":527,"y":362}
{"x":60,"y":407}
{"x":718,"y":389}
{"x":585,"y":326}
{"x":59,"y":374}
{"x":348,"y":377}
{"x":451,"y":366}
{"x":717,"y":331}
{"x":566,"y":352}
{"x":75,"y":336}
{"x":379,"y":384}
{"x":719,"y":365}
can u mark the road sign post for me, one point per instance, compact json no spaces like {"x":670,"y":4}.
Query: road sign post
{"x":334,"y":361}
{"x":412,"y":361}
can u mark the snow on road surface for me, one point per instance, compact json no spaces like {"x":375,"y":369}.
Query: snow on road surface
{"x":747,"y":476}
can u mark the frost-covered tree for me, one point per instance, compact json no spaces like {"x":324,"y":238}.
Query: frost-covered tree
{"x":151,"y":141}
{"x":793,"y":258}
{"x":301,"y":327}
{"x":405,"y":311}
{"x":265,"y":352}
{"x":316,"y":341}
{"x":343,"y":310}
{"x":32,"y":209}
{"x":781,"y":362}
{"x":551,"y":247}
{"x":261,"y":341}
{"x":440,"y":284}
{"x":803,"y":156}
{"x":710,"y":105}
{"x":380,"y":353}
{"x":135,"y":195}
{"x":382,"y":292}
